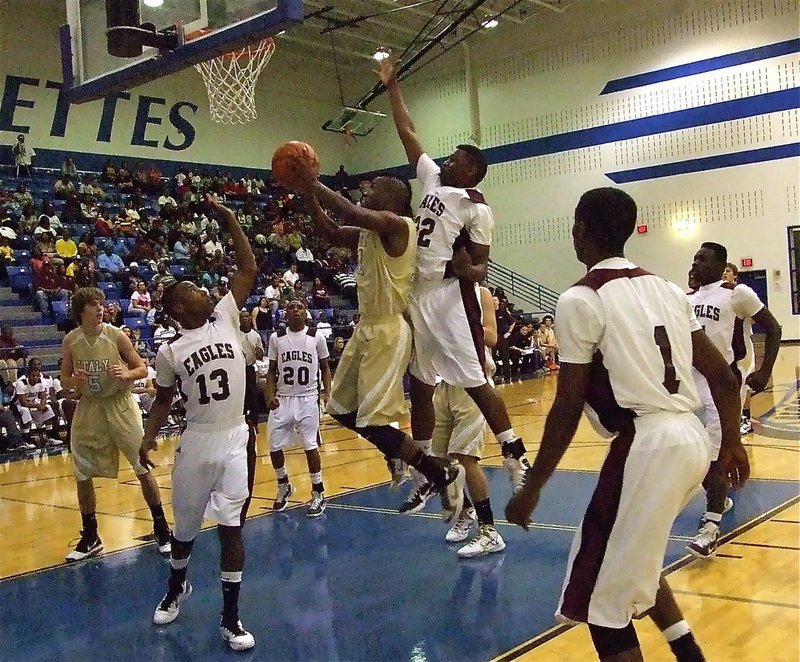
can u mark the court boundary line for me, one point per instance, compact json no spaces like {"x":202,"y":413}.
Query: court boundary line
{"x":556,"y":630}
{"x":734,"y":598}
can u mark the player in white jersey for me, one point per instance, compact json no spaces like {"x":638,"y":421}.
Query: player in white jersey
{"x":723,"y":309}
{"x":748,"y":363}
{"x":253,"y":347}
{"x":444,"y":307}
{"x":296,"y":357}
{"x":205,"y":363}
{"x":627,"y":341}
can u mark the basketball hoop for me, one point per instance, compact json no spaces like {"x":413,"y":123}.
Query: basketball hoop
{"x":231,"y":79}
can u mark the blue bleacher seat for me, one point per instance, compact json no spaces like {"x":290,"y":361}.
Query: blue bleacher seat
{"x":136,"y":323}
{"x":25,"y":242}
{"x":178,"y":270}
{"x":124,"y":303}
{"x":147,"y":331}
{"x":253,"y":300}
{"x":22,"y":255}
{"x":20,"y":278}
{"x":60,"y":311}
{"x":111,"y":290}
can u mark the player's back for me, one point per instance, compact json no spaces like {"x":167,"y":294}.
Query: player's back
{"x":643,"y":361}
{"x":95,"y":354}
{"x":384,"y":282}
{"x":208,"y":366}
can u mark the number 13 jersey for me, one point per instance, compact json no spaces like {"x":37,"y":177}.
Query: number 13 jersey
{"x":635,"y":329}
{"x":297,"y":354}
{"x":207,"y":365}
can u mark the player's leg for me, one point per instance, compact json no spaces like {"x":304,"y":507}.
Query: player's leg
{"x":616,"y":644}
{"x":308,"y":427}
{"x":252,"y":434}
{"x":90,"y":543}
{"x":231,"y":565}
{"x":667,"y":615}
{"x":279,"y":429}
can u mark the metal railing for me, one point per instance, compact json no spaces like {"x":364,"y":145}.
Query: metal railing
{"x":542,"y":298}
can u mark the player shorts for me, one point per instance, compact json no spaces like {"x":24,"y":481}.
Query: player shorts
{"x":28,"y":416}
{"x":651,"y":471}
{"x":102,"y":428}
{"x":209,"y":478}
{"x":746,"y":368}
{"x":448,"y":334}
{"x":708,"y":414}
{"x":459,"y":423}
{"x":369,"y":377}
{"x":296,"y":415}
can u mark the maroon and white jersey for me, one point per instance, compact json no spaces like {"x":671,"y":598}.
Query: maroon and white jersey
{"x":297,"y":355}
{"x":635,"y":329}
{"x":721,"y":309}
{"x":208,"y":366}
{"x":443,"y":213}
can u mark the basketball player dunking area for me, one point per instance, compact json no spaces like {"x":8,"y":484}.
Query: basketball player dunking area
{"x":100,"y":362}
{"x":205,"y":363}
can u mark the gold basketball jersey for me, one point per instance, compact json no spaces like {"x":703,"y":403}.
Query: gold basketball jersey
{"x":95,"y":355}
{"x":384,"y":282}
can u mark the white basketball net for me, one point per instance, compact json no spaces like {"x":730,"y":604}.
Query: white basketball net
{"x":231,"y":82}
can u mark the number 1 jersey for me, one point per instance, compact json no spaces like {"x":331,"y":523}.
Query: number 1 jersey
{"x":297,"y":355}
{"x":207,"y":365}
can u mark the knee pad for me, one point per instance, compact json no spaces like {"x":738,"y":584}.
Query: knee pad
{"x":613,"y":641}
{"x":348,"y":420}
{"x":384,"y":437}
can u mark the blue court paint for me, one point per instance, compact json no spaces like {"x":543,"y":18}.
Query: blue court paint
{"x":353,"y":585}
{"x":705,"y":163}
{"x":703,"y":66}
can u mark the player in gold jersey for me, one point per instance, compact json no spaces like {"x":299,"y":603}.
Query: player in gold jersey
{"x":102,"y":364}
{"x":367,"y":392}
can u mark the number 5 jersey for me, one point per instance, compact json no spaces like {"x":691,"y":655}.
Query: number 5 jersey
{"x":207,"y":364}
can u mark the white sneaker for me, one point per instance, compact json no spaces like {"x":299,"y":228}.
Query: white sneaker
{"x":317,"y":506}
{"x":704,"y":545}
{"x":169,"y":607}
{"x":53,"y":441}
{"x":745,"y":427}
{"x":460,"y":530}
{"x":453,"y":493}
{"x":728,"y":505}
{"x":237,"y":637}
{"x":285,"y":490}
{"x":516,"y":469}
{"x":399,"y":471}
{"x":487,"y":541}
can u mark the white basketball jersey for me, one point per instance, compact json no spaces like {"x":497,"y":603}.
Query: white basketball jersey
{"x":207,"y":364}
{"x":721,"y":309}
{"x":635,"y":329}
{"x":443,"y":213}
{"x":297,"y":354}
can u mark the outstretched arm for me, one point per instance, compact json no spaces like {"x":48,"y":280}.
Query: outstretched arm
{"x":402,"y":119}
{"x":334,"y":234}
{"x":245,"y":276}
{"x":772,"y":343}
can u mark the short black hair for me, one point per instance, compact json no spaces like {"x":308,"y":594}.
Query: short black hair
{"x":609,"y":215}
{"x":720,"y":252}
{"x":477,"y":158}
{"x":169,"y":296}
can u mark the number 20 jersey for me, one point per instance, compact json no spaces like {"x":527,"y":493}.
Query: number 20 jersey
{"x":297,"y":355}
{"x":208,"y":366}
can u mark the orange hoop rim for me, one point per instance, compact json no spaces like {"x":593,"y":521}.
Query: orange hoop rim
{"x":253,"y":49}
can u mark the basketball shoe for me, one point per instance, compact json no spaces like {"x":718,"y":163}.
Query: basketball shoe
{"x":487,"y":541}
{"x":399,"y":471}
{"x":170,"y":605}
{"x":164,"y":539}
{"x":236,"y":636}
{"x":746,"y":426}
{"x":704,"y":545}
{"x":453,"y":493}
{"x":515,"y":462}
{"x":460,"y":530}
{"x":89,"y":545}
{"x":421,"y":491}
{"x":285,"y":490}
{"x":317,"y":506}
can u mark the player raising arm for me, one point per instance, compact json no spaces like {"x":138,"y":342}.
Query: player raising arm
{"x":205,"y":361}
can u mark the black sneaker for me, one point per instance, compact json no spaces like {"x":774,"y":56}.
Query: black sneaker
{"x":453,"y":493}
{"x":89,"y":545}
{"x":418,"y":498}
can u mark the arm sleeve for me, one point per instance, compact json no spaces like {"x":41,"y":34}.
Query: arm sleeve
{"x":227,"y":312}
{"x":580,"y":325}
{"x":481,"y":224}
{"x":272,"y":348}
{"x":745,"y":302}
{"x":427,"y":173}
{"x":165,"y":368}
{"x":322,"y":347}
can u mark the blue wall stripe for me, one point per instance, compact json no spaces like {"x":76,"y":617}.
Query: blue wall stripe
{"x":703,"y":66}
{"x":724,"y":111}
{"x":706,"y":163}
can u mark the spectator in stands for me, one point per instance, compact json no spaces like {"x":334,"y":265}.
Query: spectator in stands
{"x":66,"y":247}
{"x":161,"y":271}
{"x":102,"y":224}
{"x":156,"y":312}
{"x":165,"y":330}
{"x":142,"y":347}
{"x":273,"y":293}
{"x":213,"y":244}
{"x":262,"y":315}
{"x":300,"y":293}
{"x":109,"y":174}
{"x":72,"y":212}
{"x":49,"y":211}
{"x":219,"y":290}
{"x":7,"y":230}
{"x":547,"y":339}
{"x":124,"y":178}
{"x":44,"y":227}
{"x":87,"y":249}
{"x":116,"y":316}
{"x":118,"y":243}
{"x":6,"y":256}
{"x":90,"y":190}
{"x":23,"y":157}
{"x":27,"y":220}
{"x":364,"y":185}
{"x":12,"y":439}
{"x":341,"y":179}
{"x":109,"y":262}
{"x":336,"y":352}
{"x":63,"y":187}
{"x":69,"y":168}
{"x":37,"y":259}
{"x":319,"y":295}
{"x":324,"y":326}
{"x":505,"y":327}
{"x":63,"y":279}
{"x":347,"y":286}
{"x":182,"y":250}
{"x":522,"y":357}
{"x":12,"y":352}
{"x":290,"y":276}
{"x":47,"y":244}
{"x":140,"y":303}
{"x":88,"y":274}
{"x":356,"y":319}
{"x":142,"y":250}
{"x":153,"y":179}
{"x":166,"y":202}
{"x":305,"y":261}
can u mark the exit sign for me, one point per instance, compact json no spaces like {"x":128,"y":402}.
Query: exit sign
{"x":747,"y":262}
{"x":641,"y":229}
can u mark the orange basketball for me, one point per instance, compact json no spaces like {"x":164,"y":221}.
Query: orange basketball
{"x":288,"y":157}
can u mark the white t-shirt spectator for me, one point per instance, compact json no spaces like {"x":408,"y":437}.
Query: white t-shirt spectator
{"x":211,"y":247}
{"x":290,"y":277}
{"x":304,"y":255}
{"x":272,"y":292}
{"x":142,"y":299}
{"x":164,"y":199}
{"x":325,"y":329}
{"x":162,"y":334}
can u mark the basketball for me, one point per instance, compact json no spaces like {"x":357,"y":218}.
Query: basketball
{"x":286,"y":159}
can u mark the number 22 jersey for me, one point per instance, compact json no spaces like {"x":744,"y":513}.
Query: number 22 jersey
{"x":207,"y":364}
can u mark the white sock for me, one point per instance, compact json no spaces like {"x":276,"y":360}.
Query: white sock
{"x":316,"y":478}
{"x":280,"y":472}
{"x":232,"y":577}
{"x":715,"y":518}
{"x":676,"y":631}
{"x":179,"y":564}
{"x":506,"y":437}
{"x":424,"y":445}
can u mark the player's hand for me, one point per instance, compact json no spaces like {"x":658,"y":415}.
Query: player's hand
{"x":81,"y":376}
{"x":734,"y":462}
{"x":323,"y":396}
{"x":521,"y":505}
{"x":387,"y":70}
{"x":757,"y":381}
{"x":144,"y":459}
{"x":118,"y":372}
{"x":273,"y":404}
